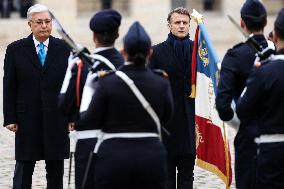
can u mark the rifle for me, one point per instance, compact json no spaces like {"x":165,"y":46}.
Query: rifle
{"x":78,"y":51}
{"x":81,"y":52}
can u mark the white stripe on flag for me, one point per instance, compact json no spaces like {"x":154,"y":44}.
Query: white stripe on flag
{"x":205,"y":99}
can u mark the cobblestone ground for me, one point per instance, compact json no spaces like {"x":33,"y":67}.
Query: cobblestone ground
{"x":7,"y":164}
{"x":202,"y":180}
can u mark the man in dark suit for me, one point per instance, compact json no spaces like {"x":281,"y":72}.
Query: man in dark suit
{"x":236,"y":66}
{"x":105,"y":25}
{"x":132,"y":155}
{"x":174,"y":56}
{"x":264,"y":101}
{"x":34,"y":69}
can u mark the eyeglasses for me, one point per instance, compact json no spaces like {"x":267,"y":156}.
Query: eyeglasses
{"x":41,"y":22}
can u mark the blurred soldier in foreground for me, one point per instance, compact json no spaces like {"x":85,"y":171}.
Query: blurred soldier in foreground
{"x":236,"y":66}
{"x":131,"y":154}
{"x":104,"y":25}
{"x":34,"y":69}
{"x":174,"y":56}
{"x":264,"y":100}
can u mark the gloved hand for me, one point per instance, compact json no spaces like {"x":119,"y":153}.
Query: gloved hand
{"x":235,"y":121}
{"x":88,"y":91}
{"x":71,"y":62}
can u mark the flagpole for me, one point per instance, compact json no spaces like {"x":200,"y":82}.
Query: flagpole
{"x":198,"y":18}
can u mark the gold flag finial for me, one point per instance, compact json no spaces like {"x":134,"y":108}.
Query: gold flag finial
{"x":198,"y":18}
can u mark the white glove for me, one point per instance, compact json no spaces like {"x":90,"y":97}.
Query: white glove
{"x":88,"y":91}
{"x":71,"y":62}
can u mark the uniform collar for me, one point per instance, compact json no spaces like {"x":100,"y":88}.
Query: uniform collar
{"x":131,"y":66}
{"x":259,"y":37}
{"x":128,"y":63}
{"x":99,"y":49}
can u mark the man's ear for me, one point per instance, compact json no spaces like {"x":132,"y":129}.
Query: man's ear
{"x":94,"y":37}
{"x":124,"y":54}
{"x":275,"y":37}
{"x":243,"y":25}
{"x":169,"y":26}
{"x":150,"y":53}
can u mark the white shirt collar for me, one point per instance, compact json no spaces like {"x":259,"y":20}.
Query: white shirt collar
{"x":36,"y":42}
{"x":99,"y":49}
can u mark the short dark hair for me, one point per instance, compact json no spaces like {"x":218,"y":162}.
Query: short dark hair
{"x":138,"y":58}
{"x":107,"y":38}
{"x":254,"y":24}
{"x":179,"y":10}
{"x":279,"y":24}
{"x":279,"y":32}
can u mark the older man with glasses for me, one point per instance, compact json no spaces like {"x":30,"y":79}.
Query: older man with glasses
{"x":34,"y":69}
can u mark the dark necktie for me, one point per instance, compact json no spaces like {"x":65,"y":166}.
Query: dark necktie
{"x":41,"y":53}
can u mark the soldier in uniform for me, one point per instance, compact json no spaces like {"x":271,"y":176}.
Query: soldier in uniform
{"x":131,"y":156}
{"x":174,"y":56}
{"x":264,"y":100}
{"x":34,"y":70}
{"x":104,"y":25}
{"x":235,"y":68}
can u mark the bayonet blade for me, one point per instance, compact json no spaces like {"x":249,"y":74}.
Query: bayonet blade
{"x":63,"y":33}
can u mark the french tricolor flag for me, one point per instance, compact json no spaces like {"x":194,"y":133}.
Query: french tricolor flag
{"x":212,"y":149}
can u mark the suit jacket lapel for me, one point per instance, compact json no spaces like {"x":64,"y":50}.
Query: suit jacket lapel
{"x":30,"y":50}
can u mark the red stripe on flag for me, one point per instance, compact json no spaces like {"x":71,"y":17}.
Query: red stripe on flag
{"x":211,"y":148}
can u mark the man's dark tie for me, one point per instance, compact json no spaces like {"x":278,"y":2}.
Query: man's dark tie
{"x":41,"y":53}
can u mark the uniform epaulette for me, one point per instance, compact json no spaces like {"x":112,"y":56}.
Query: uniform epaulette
{"x":104,"y":73}
{"x":161,"y":73}
{"x":237,"y":45}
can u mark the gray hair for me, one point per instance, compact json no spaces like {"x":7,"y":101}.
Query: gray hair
{"x":36,"y":9}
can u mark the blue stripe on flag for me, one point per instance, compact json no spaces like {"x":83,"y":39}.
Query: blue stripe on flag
{"x":206,"y":56}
